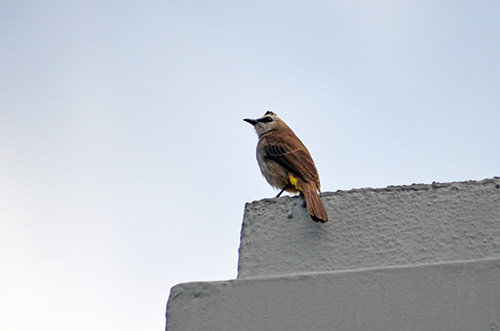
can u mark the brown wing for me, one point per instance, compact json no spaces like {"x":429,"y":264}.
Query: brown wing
{"x":290,"y":153}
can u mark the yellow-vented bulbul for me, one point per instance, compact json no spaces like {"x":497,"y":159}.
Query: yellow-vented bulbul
{"x":286,"y":163}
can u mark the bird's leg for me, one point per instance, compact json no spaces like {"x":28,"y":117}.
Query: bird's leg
{"x":283,"y":190}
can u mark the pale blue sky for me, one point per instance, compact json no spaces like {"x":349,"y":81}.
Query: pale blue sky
{"x":124,"y":161}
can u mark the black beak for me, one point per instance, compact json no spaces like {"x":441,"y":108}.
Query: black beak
{"x":251,"y":121}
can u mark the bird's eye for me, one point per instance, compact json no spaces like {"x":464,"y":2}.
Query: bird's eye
{"x":266,"y":119}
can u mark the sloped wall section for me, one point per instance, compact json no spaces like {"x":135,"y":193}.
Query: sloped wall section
{"x":446,"y":297}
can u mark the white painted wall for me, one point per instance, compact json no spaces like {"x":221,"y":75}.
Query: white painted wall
{"x":420,"y":257}
{"x":372,"y":228}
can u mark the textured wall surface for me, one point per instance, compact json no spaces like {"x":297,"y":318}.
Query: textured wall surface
{"x":372,"y":228}
{"x":382,"y":263}
{"x":447,"y":296}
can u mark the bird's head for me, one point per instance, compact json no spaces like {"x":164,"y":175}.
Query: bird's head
{"x":269,"y":122}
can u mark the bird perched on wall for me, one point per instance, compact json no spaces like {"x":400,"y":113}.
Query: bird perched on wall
{"x":286,"y":163}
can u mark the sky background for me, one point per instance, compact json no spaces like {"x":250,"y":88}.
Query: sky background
{"x":124,"y":161}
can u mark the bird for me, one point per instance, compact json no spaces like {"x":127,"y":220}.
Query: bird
{"x":286,"y":164}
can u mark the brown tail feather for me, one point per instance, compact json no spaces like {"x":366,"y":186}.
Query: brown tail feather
{"x":314,"y":204}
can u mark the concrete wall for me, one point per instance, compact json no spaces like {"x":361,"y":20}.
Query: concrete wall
{"x":372,"y":228}
{"x":382,"y":263}
{"x":451,"y":296}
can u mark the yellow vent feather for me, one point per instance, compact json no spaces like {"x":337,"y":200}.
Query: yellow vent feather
{"x":293,"y":181}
